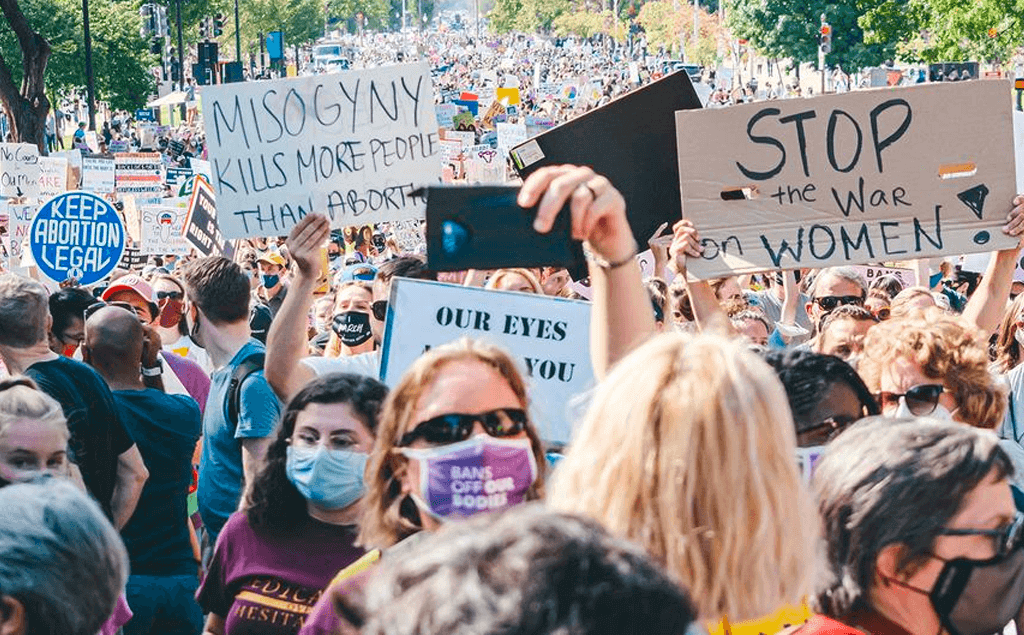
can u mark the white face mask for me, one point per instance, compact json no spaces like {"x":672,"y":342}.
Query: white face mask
{"x":940,"y":413}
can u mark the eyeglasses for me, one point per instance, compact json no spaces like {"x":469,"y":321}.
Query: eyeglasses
{"x":173,"y":295}
{"x":1006,"y":538}
{"x":921,"y":399}
{"x":380,"y":309}
{"x":451,"y":428}
{"x":834,"y":424}
{"x":830,"y":302}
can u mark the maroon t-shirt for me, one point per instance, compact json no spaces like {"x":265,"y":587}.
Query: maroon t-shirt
{"x":268,"y":585}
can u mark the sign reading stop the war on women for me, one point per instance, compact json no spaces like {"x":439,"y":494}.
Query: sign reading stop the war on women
{"x":549,"y":337}
{"x":867,"y":176}
{"x":77,"y":235}
{"x":352,"y":145}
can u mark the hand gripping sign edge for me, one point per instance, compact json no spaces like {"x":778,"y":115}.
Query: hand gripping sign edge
{"x":77,"y":235}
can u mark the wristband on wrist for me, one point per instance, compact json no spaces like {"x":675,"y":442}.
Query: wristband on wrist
{"x":153,"y":371}
{"x":605,"y":264}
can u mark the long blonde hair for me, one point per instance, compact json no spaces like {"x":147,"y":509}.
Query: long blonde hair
{"x":388,"y":516}
{"x":689,"y":450}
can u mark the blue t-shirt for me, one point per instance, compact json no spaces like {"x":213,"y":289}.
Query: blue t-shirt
{"x":220,"y":468}
{"x":166,"y":429}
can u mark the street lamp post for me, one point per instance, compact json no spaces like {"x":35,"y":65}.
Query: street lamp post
{"x":238,"y":36}
{"x":90,"y":89}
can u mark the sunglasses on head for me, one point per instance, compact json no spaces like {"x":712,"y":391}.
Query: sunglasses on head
{"x":833,"y":425}
{"x":173,"y":295}
{"x":380,"y":309}
{"x":921,"y":399}
{"x":452,"y":428}
{"x":830,"y":302}
{"x":96,"y":306}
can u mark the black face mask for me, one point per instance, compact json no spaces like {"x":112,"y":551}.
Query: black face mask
{"x":353,"y":327}
{"x":980,"y":597}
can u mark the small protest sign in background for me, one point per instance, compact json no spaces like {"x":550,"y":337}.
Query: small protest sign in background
{"x":865,"y":176}
{"x":162,"y":228}
{"x":77,"y":235}
{"x":548,"y":336}
{"x":353,"y":145}
{"x":53,"y":177}
{"x":97,"y":174}
{"x":200,"y":227}
{"x":19,"y":169}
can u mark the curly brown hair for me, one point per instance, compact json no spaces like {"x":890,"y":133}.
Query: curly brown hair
{"x":948,"y":349}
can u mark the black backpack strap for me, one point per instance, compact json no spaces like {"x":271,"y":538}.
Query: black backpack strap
{"x":248,"y":366}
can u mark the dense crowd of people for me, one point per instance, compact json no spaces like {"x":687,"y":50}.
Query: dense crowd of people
{"x":205,"y":444}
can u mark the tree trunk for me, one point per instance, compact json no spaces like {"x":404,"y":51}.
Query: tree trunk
{"x":27,"y":106}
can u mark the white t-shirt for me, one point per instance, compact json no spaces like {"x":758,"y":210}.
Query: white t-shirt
{"x":185,"y":347}
{"x":1012,"y":430}
{"x":367,"y":364}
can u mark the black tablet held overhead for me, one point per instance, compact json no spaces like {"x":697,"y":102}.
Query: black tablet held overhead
{"x":482,"y":227}
{"x":632,"y":141}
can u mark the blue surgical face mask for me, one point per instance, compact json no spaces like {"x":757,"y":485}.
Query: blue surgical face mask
{"x":270,"y":281}
{"x":332,"y":479}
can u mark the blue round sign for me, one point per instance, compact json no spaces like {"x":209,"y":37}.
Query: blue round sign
{"x":77,"y":235}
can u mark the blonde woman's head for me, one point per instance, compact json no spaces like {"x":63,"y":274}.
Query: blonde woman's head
{"x":33,"y":432}
{"x":689,"y":450}
{"x":515,"y":280}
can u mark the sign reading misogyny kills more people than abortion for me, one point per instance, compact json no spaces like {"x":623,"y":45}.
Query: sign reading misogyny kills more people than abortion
{"x":77,"y":235}
{"x":548,"y":336}
{"x":867,"y":176}
{"x":353,"y":145}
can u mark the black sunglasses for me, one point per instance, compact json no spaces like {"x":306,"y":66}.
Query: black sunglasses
{"x":173,"y":295}
{"x":921,"y":399}
{"x":380,"y":309}
{"x":96,"y":306}
{"x":1006,"y":538}
{"x":830,"y":302}
{"x":834,"y":425}
{"x":451,"y":428}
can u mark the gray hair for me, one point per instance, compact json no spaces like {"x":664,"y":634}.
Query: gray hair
{"x":526,"y":570}
{"x":843,"y":273}
{"x":894,"y":481}
{"x":59,"y":557}
{"x":24,"y":308}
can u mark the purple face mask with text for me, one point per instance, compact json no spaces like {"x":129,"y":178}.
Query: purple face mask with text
{"x":481,"y":474}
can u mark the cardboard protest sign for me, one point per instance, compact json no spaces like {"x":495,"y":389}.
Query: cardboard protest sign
{"x":177,"y":176}
{"x":200,"y":225}
{"x":132,"y":258}
{"x":860,"y":177}
{"x":354,"y":145}
{"x":77,"y":235}
{"x":139,"y":174}
{"x":132,"y":218}
{"x":872,"y":273}
{"x":162,"y":229}
{"x":1018,"y":147}
{"x":631,"y":141}
{"x":53,"y":177}
{"x":508,"y":96}
{"x":549,"y":337}
{"x":118,"y":145}
{"x":466,"y":138}
{"x":19,"y":170}
{"x":97,"y":174}
{"x":485,"y":165}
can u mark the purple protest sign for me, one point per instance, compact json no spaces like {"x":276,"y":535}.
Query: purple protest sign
{"x":481,"y":474}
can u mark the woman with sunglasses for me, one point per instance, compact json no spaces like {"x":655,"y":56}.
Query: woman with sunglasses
{"x":169,"y":295}
{"x":921,"y":530}
{"x":298,"y":528}
{"x":455,"y":440}
{"x":935,"y":365}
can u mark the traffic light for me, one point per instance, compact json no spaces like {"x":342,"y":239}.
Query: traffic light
{"x":218,"y":25}
{"x":204,"y":29}
{"x":826,"y":37}
{"x":148,"y":14}
{"x":175,"y":70}
{"x":163,"y":27}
